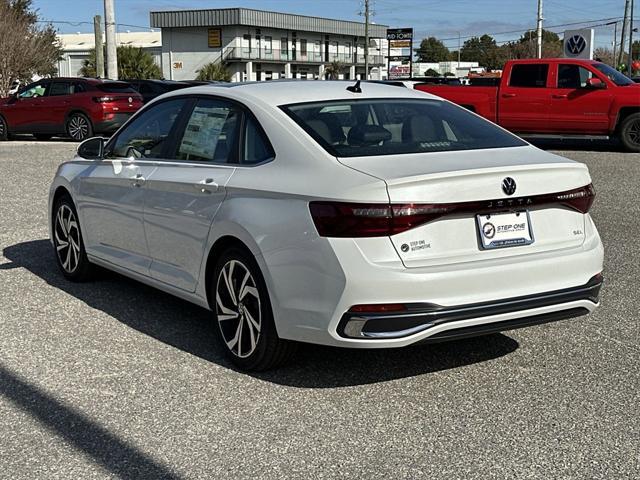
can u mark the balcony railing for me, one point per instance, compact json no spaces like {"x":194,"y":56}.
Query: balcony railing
{"x":276,"y":55}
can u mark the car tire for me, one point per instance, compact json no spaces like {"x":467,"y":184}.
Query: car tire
{"x":42,"y":136}
{"x":71,"y":256}
{"x":79,"y":127}
{"x":630,"y":132}
{"x":4,"y":130}
{"x":244,"y":318}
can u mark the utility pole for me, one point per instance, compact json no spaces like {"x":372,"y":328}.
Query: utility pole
{"x":366,"y":39}
{"x":110,"y":31}
{"x":615,"y":41}
{"x":624,"y":32}
{"x":458,"y":50}
{"x":539,"y":28}
{"x":629,"y":63}
{"x":97,"y":33}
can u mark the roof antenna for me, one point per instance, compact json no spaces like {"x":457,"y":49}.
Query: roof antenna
{"x":355,"y":88}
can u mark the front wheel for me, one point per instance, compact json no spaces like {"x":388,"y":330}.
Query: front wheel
{"x":630,"y":132}
{"x":243,"y":314}
{"x":79,"y":127}
{"x":67,"y":240}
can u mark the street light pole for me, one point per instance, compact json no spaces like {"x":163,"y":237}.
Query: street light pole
{"x":366,"y":39}
{"x":110,"y":34}
{"x":539,"y":29}
{"x":97,"y":32}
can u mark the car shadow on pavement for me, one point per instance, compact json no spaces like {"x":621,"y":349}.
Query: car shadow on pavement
{"x":117,"y":456}
{"x":190,"y":329}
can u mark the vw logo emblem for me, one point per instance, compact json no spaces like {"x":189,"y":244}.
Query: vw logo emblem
{"x":488,"y":230}
{"x":130,"y":99}
{"x":576,"y":44}
{"x":509,"y":186}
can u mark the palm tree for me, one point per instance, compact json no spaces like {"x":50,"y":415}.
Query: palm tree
{"x":334,"y":69}
{"x":133,"y":63}
{"x":214,"y":71}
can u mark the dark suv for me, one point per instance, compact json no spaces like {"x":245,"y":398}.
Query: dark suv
{"x":77,"y":107}
{"x":150,"y":89}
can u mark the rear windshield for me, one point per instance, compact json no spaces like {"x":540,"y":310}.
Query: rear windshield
{"x":116,"y":87}
{"x":355,"y":128}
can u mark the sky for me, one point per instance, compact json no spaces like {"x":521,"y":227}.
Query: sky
{"x":439,"y":18}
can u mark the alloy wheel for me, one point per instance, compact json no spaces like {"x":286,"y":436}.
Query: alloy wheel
{"x":3,"y":129}
{"x":78,"y":127}
{"x":634,"y":132}
{"x":238,"y":308}
{"x":67,"y":239}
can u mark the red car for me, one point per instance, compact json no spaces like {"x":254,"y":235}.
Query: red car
{"x":76,"y":107}
{"x":556,"y":96}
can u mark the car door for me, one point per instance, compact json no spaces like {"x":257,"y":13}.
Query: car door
{"x":184,"y":194}
{"x":58,"y":103}
{"x":575,"y":106}
{"x":27,"y":113}
{"x":523,"y":103}
{"x":112,"y":192}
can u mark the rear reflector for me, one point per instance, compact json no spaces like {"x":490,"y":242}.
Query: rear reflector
{"x":104,"y":99}
{"x":352,"y":220}
{"x":378,"y":308}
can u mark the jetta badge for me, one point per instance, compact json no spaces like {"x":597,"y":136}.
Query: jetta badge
{"x":509,"y":186}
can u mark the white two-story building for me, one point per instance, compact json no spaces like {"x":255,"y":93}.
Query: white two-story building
{"x":261,"y":45}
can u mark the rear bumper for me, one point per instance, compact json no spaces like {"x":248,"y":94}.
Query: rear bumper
{"x":449,"y":322}
{"x":111,"y":124}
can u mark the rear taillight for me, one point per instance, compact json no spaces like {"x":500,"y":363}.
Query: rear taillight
{"x":104,"y":99}
{"x":579,"y":199}
{"x":352,"y":220}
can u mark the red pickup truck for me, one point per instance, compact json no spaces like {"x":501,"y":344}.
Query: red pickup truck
{"x":557,"y":96}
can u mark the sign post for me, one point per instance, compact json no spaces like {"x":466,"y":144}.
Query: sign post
{"x":399,"y":53}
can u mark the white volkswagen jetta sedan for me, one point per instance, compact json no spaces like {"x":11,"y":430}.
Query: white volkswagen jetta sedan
{"x":336,"y":213}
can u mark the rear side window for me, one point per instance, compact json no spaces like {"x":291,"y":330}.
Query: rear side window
{"x":78,"y":87}
{"x":529,"y":76}
{"x":115,"y":87}
{"x":353,"y":128}
{"x":256,"y":147}
{"x":211,"y":133}
{"x":60,"y":88}
{"x":145,"y":136}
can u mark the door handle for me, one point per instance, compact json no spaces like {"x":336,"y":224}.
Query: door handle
{"x":208,"y":185}
{"x":508,"y":95}
{"x":138,"y":180}
{"x":559,"y":95}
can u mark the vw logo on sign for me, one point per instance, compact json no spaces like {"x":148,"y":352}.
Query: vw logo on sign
{"x":576,"y":44}
{"x":509,"y":186}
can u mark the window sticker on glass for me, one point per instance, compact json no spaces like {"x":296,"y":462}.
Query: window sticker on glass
{"x":209,"y":134}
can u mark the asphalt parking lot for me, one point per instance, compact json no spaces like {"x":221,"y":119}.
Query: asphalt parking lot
{"x":112,"y":379}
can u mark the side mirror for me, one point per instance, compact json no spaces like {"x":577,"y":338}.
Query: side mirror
{"x":596,"y":83}
{"x":92,"y":149}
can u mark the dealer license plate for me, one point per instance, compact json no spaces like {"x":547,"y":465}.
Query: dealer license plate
{"x":498,"y":230}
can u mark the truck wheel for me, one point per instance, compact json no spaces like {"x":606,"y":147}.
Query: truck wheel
{"x":630,"y":132}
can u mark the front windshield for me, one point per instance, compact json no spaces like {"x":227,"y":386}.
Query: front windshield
{"x":615,"y":76}
{"x":391,"y":126}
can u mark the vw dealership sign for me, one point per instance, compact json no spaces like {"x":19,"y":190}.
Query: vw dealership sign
{"x":579,"y":43}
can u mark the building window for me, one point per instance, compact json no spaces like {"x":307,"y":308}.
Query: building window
{"x":317,"y":50}
{"x":303,"y":47}
{"x":246,"y":43}
{"x":284,"y":47}
{"x":268,"y":45}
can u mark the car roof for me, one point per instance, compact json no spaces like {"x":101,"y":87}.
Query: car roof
{"x":282,"y":92}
